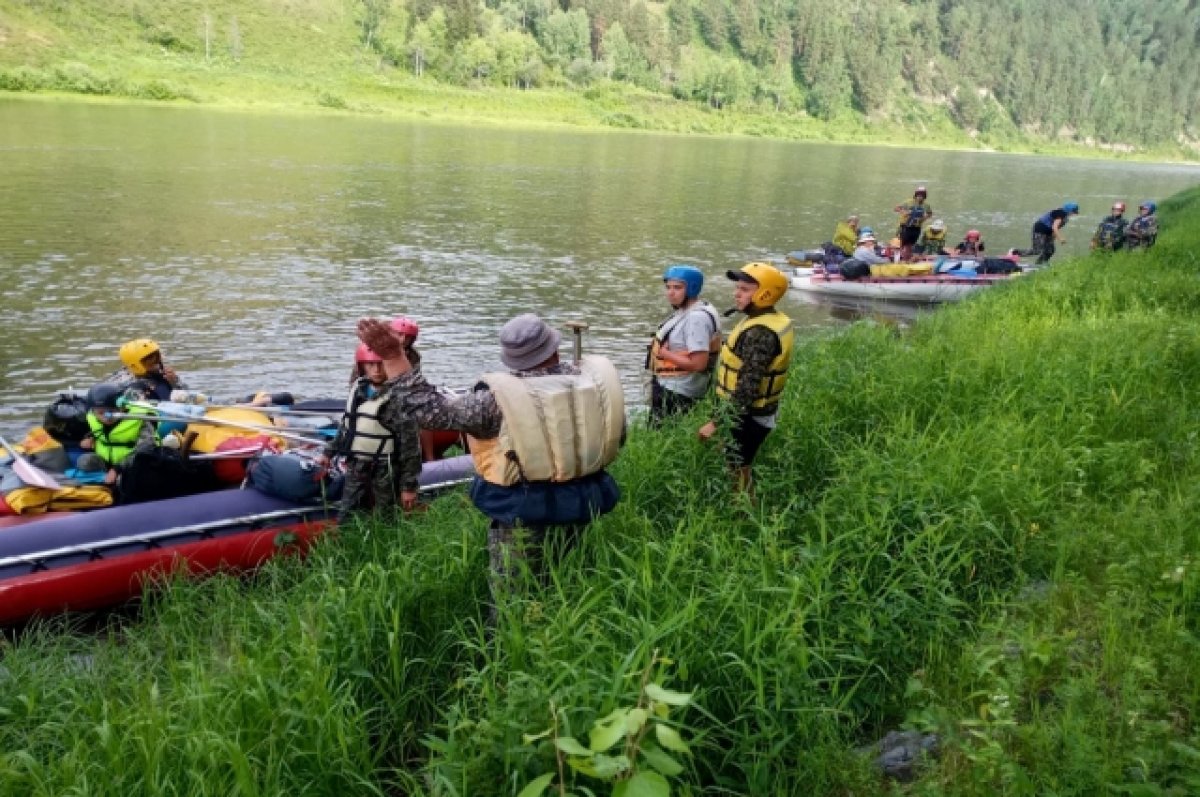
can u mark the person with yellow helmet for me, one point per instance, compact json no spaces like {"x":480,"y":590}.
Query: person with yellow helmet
{"x":145,"y":375}
{"x":753,"y":365}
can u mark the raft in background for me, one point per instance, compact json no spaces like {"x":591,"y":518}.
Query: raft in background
{"x":94,"y":560}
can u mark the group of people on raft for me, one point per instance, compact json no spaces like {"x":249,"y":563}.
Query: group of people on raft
{"x":919,"y":234}
{"x":541,"y":434}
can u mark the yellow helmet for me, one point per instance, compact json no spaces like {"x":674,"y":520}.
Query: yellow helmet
{"x":772,"y":285}
{"x":134,"y":351}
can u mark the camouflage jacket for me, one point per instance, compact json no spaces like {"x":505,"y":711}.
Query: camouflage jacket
{"x":757,"y":346}
{"x":476,"y":413}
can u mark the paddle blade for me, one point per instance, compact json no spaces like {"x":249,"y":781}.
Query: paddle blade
{"x":32,"y":475}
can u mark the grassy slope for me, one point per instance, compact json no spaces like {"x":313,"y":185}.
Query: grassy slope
{"x":305,"y":54}
{"x":985,"y":526}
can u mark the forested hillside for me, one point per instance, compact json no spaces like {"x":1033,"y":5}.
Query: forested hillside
{"x":1102,"y":72}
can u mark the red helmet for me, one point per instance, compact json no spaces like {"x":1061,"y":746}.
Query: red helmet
{"x":972,"y":235}
{"x":1118,"y":207}
{"x":365,"y":355}
{"x":405,"y":326}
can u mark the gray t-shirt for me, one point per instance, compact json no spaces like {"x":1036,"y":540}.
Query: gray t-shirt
{"x":866,"y":254}
{"x":689,"y":330}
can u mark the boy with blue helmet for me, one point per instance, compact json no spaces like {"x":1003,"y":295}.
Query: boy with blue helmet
{"x":684,"y":346}
{"x":1143,"y":230}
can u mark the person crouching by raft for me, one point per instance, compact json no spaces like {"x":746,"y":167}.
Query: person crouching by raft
{"x":684,"y":347}
{"x":541,"y":436}
{"x":1047,"y":231}
{"x":112,"y":440}
{"x":970,"y":246}
{"x":933,"y":239}
{"x":752,"y":369}
{"x":382,"y":465}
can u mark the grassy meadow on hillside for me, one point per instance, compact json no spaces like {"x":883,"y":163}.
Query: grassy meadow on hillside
{"x":905,"y":73}
{"x":983,"y":527}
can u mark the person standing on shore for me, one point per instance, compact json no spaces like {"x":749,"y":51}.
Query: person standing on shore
{"x":684,"y":346}
{"x":753,"y":366}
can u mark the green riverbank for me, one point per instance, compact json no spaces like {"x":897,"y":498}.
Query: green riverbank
{"x":983,"y":527}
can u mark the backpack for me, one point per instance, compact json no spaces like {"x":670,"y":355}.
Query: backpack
{"x":66,"y":418}
{"x":294,"y":477}
{"x":154,"y":474}
{"x":854,"y":269}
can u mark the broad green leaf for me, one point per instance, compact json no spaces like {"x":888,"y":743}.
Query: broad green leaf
{"x":605,"y":767}
{"x":537,"y":786}
{"x":604,"y":735}
{"x":635,"y":719}
{"x":661,"y":710}
{"x":661,"y":761}
{"x":660,"y":695}
{"x":643,"y":784}
{"x":530,"y":738}
{"x":669,"y":738}
{"x":571,"y":746}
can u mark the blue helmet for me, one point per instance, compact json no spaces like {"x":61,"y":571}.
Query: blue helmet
{"x":1071,"y":207}
{"x":866,"y":231}
{"x":690,"y":276}
{"x":1150,"y":206}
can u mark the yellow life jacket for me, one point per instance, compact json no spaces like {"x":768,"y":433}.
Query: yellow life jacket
{"x":845,"y":237}
{"x":114,"y":443}
{"x":770,"y":388}
{"x":934,"y":236}
{"x":554,"y":428}
{"x":662,"y":367}
{"x":367,"y":437}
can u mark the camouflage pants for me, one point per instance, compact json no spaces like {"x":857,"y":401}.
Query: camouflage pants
{"x":1042,"y":245}
{"x":512,"y":548}
{"x":369,"y":485}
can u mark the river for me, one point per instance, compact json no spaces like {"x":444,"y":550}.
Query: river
{"x":247,"y":244}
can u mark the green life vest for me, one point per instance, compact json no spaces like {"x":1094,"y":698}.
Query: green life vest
{"x":114,"y":443}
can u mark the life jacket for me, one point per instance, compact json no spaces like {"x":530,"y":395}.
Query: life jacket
{"x":662,"y":367}
{"x":1111,"y":233}
{"x":845,"y":237}
{"x":914,"y":214}
{"x":770,"y":388}
{"x":1142,"y":230}
{"x":966,"y":247}
{"x":114,"y":443}
{"x":554,"y":428}
{"x":366,"y":437}
{"x":933,"y":236}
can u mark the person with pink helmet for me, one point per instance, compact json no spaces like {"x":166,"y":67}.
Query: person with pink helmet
{"x":382,"y":465}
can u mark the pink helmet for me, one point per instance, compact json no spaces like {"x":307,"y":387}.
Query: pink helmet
{"x":972,"y":235}
{"x":406,"y":327}
{"x":1118,"y":207}
{"x":365,"y":355}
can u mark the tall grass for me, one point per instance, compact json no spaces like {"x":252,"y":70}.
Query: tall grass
{"x":984,"y":526}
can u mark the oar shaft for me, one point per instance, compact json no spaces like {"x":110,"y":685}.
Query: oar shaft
{"x":204,"y":419}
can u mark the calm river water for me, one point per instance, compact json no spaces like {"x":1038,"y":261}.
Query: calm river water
{"x":248,"y":244}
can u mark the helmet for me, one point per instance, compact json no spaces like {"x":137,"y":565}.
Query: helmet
{"x":895,"y":243}
{"x":772,"y":285}
{"x":104,"y":395}
{"x":921,"y":190}
{"x":938,"y":225}
{"x":1118,"y":207}
{"x":1150,"y":206}
{"x":1071,"y":207}
{"x":867,"y":231}
{"x":866,"y":236}
{"x":972,"y":235}
{"x":690,"y":276}
{"x":134,"y":351}
{"x":405,"y":326}
{"x":365,"y":355}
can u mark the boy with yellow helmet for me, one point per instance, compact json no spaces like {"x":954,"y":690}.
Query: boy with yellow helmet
{"x":145,"y":374}
{"x":752,"y":369}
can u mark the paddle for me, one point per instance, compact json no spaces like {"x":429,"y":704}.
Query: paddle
{"x":28,"y":472}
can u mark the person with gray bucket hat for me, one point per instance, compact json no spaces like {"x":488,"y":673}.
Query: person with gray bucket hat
{"x":541,"y":435}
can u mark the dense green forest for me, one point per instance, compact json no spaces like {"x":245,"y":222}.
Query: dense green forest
{"x":1103,"y":73}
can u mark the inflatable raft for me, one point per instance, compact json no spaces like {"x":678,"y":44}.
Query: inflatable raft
{"x":92,"y":560}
